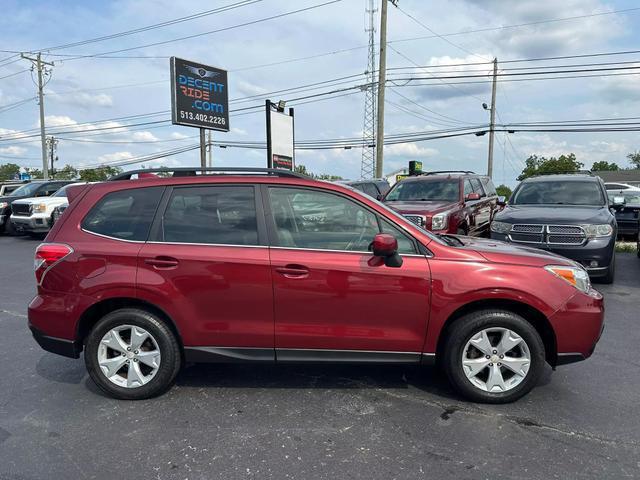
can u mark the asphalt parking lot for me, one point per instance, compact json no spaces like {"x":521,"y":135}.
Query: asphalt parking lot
{"x":583,"y":421}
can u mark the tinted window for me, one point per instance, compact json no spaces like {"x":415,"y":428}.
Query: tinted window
{"x":223,"y":215}
{"x":558,"y":193}
{"x":630,"y":198}
{"x":320,"y":220}
{"x":477,"y":187}
{"x":446,"y":190}
{"x":26,"y":190}
{"x":488,"y":185}
{"x":125,"y":214}
{"x":371,"y":190}
{"x":467,"y":188}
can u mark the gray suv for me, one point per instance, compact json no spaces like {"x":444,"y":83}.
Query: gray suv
{"x":566,"y":214}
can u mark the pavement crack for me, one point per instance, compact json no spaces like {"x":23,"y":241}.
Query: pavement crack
{"x":14,"y":314}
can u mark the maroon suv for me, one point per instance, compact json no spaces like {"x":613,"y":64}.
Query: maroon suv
{"x":460,"y":203}
{"x":144,"y":275}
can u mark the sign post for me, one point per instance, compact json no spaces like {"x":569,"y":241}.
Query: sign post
{"x":199,"y":98}
{"x":280,"y":136}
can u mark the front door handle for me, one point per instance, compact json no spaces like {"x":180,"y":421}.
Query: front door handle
{"x":293,"y":271}
{"x":162,"y":262}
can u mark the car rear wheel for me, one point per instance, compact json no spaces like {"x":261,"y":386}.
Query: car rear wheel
{"x":132,"y":354}
{"x":493,"y":356}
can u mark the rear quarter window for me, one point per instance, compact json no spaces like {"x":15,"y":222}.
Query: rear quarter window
{"x":125,"y":214}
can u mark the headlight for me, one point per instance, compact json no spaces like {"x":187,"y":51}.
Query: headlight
{"x":576,"y":276}
{"x":440,"y":221}
{"x":602,"y":230}
{"x":500,"y":227}
{"x":39,"y":208}
{"x":4,"y":204}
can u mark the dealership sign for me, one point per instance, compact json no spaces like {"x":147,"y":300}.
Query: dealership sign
{"x":199,"y":96}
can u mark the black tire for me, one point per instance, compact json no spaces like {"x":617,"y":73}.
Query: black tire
{"x":168,"y":346}
{"x":9,"y":228}
{"x":471,"y":324}
{"x":611,"y":273}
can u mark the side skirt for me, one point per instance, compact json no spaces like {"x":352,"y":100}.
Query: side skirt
{"x":286,"y":355}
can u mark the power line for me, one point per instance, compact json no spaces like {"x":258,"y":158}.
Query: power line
{"x":15,"y":73}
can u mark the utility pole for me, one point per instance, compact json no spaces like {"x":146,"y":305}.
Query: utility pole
{"x":209,"y":147}
{"x":203,"y":151}
{"x":52,"y":144}
{"x":382,"y":78}
{"x":40,"y":67}
{"x":492,"y":124}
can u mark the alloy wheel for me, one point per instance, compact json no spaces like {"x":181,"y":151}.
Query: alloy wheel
{"x":496,"y":360}
{"x":129,"y":356}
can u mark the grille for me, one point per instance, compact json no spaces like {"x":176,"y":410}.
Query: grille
{"x":417,"y":219}
{"x":521,"y":228}
{"x":548,"y":234}
{"x":23,"y":209}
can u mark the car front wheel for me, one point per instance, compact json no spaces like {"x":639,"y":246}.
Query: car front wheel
{"x":493,"y":356}
{"x":132,"y":354}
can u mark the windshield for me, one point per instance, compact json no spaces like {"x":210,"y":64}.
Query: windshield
{"x":630,"y":198}
{"x":62,"y":192}
{"x":558,"y":193}
{"x":443,"y":190}
{"x":25,"y":190}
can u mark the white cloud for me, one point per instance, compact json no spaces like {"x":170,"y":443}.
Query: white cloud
{"x":83,"y":99}
{"x":13,"y":150}
{"x":238,"y":131}
{"x":144,"y":137}
{"x":114,"y":157}
{"x":178,"y":136}
{"x":409,"y":150}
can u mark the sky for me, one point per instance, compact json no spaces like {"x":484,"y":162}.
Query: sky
{"x":82,"y":91}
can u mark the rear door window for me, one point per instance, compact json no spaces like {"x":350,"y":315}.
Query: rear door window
{"x":477,"y":187}
{"x":488,"y":185}
{"x":222,"y":215}
{"x":125,"y":214}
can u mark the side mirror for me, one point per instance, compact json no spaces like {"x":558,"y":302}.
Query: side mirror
{"x":472,"y":196}
{"x":385,"y":245}
{"x":502,"y":200}
{"x":618,"y":201}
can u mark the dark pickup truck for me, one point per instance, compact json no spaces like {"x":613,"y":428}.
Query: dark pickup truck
{"x":460,"y":203}
{"x":566,"y":214}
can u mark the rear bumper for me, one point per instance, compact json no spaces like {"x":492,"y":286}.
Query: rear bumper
{"x":61,"y":346}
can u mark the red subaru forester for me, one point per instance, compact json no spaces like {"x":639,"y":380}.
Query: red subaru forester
{"x":264,"y":265}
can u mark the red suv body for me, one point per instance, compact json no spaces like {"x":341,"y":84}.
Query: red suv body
{"x":460,"y":203}
{"x":147,"y":274}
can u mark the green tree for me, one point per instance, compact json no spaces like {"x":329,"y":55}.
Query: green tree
{"x":504,"y":191}
{"x":99,"y":174}
{"x":66,"y":173}
{"x":535,"y":165}
{"x":322,"y":176}
{"x":34,"y":172}
{"x":604,"y":166}
{"x":8,"y":171}
{"x":634,"y":158}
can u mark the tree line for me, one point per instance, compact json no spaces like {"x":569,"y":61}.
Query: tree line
{"x":10,"y":171}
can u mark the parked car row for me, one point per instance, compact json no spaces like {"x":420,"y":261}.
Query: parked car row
{"x":28,"y":208}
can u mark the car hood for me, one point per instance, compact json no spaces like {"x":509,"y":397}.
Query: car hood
{"x":554,"y":214}
{"x":45,"y":200}
{"x":502,"y":252}
{"x":421,"y":207}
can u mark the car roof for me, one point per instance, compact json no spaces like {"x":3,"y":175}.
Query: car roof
{"x":563,"y":177}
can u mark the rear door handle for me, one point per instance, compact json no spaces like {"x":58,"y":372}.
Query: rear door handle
{"x":162,"y":262}
{"x":293,"y":271}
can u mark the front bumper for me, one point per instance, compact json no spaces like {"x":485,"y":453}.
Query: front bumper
{"x":595,"y":255}
{"x":578,"y":326}
{"x":60,"y":346}
{"x":35,"y":224}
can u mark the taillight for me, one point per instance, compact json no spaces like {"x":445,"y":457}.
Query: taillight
{"x":47,"y":255}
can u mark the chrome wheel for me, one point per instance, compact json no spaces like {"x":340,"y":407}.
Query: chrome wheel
{"x":128,"y":356}
{"x":496,"y":360}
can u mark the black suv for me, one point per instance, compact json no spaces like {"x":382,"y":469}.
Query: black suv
{"x":37,"y":188}
{"x":567,"y":214}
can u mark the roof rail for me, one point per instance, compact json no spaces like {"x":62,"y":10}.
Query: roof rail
{"x":564,"y":172}
{"x":440,"y":172}
{"x":193,"y":171}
